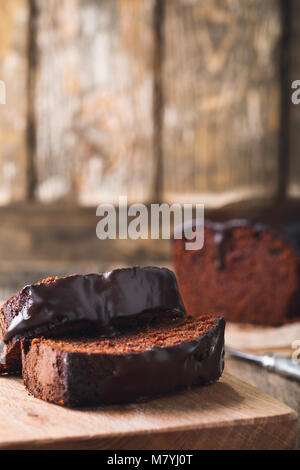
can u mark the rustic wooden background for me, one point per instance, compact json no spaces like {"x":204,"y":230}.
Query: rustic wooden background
{"x":173,"y":100}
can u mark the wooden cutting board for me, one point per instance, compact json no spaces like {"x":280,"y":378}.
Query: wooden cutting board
{"x":227,"y":415}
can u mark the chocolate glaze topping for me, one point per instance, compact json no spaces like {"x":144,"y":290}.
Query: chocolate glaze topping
{"x":96,"y":299}
{"x":223,"y":231}
{"x":290,"y":234}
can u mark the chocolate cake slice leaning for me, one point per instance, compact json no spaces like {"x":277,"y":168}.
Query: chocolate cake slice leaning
{"x":88,"y":303}
{"x":165,"y":354}
{"x":248,"y":272}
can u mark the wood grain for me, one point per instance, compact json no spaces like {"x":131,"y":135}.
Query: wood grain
{"x":185,"y":107}
{"x":228,"y":414}
{"x":285,"y":390}
{"x":94,"y":87}
{"x":221,"y":94}
{"x":13,"y":115}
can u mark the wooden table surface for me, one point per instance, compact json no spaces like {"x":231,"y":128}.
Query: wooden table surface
{"x":285,"y":390}
{"x":32,"y":420}
{"x":229,"y":414}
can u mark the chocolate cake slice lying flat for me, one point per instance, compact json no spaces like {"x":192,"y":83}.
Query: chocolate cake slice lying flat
{"x":97,"y":302}
{"x":248,"y":272}
{"x":165,"y":354}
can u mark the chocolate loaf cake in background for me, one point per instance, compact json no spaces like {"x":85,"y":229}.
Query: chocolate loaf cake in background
{"x":165,"y":354}
{"x":87,"y":303}
{"x":247,"y":272}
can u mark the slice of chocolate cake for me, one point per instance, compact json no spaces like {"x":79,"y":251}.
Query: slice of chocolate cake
{"x":165,"y":354}
{"x":246,"y":272}
{"x":10,"y":357}
{"x":88,"y":303}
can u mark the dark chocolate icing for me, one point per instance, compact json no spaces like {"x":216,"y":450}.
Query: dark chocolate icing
{"x":289,"y":233}
{"x":223,"y":231}
{"x":97,"y":299}
{"x":107,"y":379}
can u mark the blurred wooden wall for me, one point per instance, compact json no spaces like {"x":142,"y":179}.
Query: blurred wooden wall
{"x":175,"y":100}
{"x":222,"y":89}
{"x":14,"y":18}
{"x":292,"y":58}
{"x":168,"y":99}
{"x":93,"y":100}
